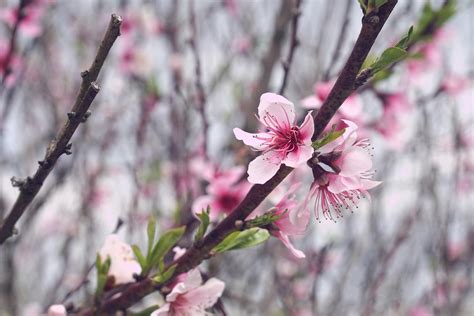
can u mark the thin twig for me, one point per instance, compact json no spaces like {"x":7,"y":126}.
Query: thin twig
{"x":30,"y":186}
{"x":200,"y":94}
{"x":293,"y":44}
{"x":343,"y":87}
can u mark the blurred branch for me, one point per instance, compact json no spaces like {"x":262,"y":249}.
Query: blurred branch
{"x":30,"y":186}
{"x":201,"y":250}
{"x":293,"y":44}
{"x":200,"y":96}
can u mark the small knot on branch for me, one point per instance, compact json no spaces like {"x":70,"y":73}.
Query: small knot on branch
{"x":239,"y":224}
{"x":86,"y":116}
{"x":372,"y":19}
{"x":71,"y":115}
{"x":67,"y":149}
{"x":21,"y":183}
{"x":44,"y":163}
{"x":85,"y":74}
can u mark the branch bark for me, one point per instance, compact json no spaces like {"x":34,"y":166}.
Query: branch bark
{"x":30,"y":186}
{"x":343,"y":87}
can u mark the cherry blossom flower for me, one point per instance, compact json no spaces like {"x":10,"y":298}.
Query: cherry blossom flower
{"x":454,"y":84}
{"x":123,"y":264}
{"x":223,"y":194}
{"x":351,"y":109}
{"x":190,"y":296}
{"x":30,"y":23}
{"x":57,"y":310}
{"x":390,"y":126}
{"x":420,"y":310}
{"x":342,"y":174}
{"x":293,"y":221}
{"x":283,"y":142}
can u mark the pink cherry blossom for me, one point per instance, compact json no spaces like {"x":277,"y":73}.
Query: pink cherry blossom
{"x":57,"y":310}
{"x":454,"y":84}
{"x":420,"y":310}
{"x":191,"y":297}
{"x":283,"y":142}
{"x":351,"y":109}
{"x":223,"y":195}
{"x":391,"y":125}
{"x":293,"y":221}
{"x":342,"y":174}
{"x":30,"y":23}
{"x":123,"y":264}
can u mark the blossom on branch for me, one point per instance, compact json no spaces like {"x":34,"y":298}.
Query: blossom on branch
{"x":190,"y":297}
{"x":342,"y":174}
{"x":123,"y":263}
{"x":283,"y":142}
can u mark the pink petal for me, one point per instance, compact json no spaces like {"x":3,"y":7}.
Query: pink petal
{"x":286,"y":241}
{"x":339,"y":184}
{"x":206,"y":295}
{"x":354,"y":162}
{"x":352,"y":107}
{"x":307,"y":128}
{"x":250,"y":139}
{"x":322,"y":89}
{"x":277,"y":106}
{"x":261,"y":169}
{"x":369,"y":184}
{"x":201,"y":203}
{"x":311,"y":102}
{"x":299,"y":156}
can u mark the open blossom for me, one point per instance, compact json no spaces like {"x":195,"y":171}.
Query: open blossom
{"x":283,"y":142}
{"x":293,"y":221}
{"x":123,"y":264}
{"x":342,"y":174}
{"x":190,"y":297}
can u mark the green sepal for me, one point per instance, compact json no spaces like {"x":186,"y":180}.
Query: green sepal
{"x":405,"y":41}
{"x":140,"y":258}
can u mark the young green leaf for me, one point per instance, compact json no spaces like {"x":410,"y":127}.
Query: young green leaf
{"x":405,"y":41}
{"x":151,"y":232}
{"x":243,"y":239}
{"x":140,"y":258}
{"x":204,"y":219}
{"x":164,"y":245}
{"x":379,"y":3}
{"x":329,"y":137}
{"x":161,"y":278}
{"x":363,"y":6}
{"x":389,"y":56}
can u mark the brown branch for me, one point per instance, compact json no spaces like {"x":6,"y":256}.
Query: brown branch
{"x":296,"y":11}
{"x":343,"y":87}
{"x":30,"y":186}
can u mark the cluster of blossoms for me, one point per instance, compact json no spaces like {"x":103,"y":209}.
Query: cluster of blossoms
{"x":342,"y":168}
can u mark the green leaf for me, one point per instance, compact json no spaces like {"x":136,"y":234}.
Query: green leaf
{"x":101,"y":280}
{"x":379,"y":3}
{"x":445,"y":13}
{"x":161,"y":278}
{"x":98,"y":262}
{"x":151,"y":232}
{"x":405,"y":41}
{"x":106,"y":265}
{"x":243,"y":239}
{"x":140,"y":258}
{"x":326,"y":139}
{"x":265,"y":219}
{"x":363,"y":6}
{"x":164,"y":245}
{"x":389,"y":56}
{"x":102,"y":271}
{"x":204,"y":219}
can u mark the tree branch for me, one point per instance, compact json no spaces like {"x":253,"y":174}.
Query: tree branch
{"x":343,"y":87}
{"x":30,"y":186}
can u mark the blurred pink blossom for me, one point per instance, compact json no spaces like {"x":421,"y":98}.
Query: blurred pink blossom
{"x":190,"y":296}
{"x":123,"y":264}
{"x":292,"y":221}
{"x":420,"y":310}
{"x":9,"y":65}
{"x":283,"y":142}
{"x":343,"y":174}
{"x":351,"y":109}
{"x":223,"y":194}
{"x":30,"y":23}
{"x":57,"y":310}
{"x":454,"y":84}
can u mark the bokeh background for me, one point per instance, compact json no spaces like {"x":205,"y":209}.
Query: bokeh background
{"x":144,"y":151}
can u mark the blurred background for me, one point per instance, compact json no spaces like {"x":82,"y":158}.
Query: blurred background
{"x":152,"y":142}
